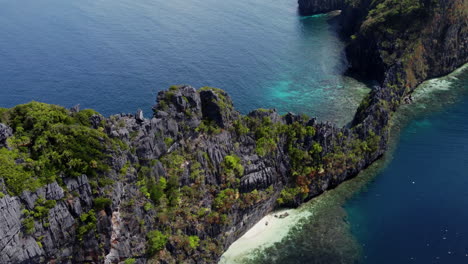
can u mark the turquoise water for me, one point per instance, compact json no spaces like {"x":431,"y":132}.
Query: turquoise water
{"x":409,"y":207}
{"x":114,"y":55}
{"x":415,"y":211}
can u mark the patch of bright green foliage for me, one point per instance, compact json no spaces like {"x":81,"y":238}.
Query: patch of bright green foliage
{"x":225,"y":200}
{"x":208,"y":127}
{"x":49,"y":141}
{"x":168,"y":141}
{"x":101,"y":203}
{"x":163,"y":190}
{"x":232,"y":165}
{"x":288,"y":195}
{"x":391,"y":15}
{"x":194,"y":241}
{"x":130,"y":261}
{"x":40,"y":212}
{"x":87,"y":223}
{"x":156,"y":241}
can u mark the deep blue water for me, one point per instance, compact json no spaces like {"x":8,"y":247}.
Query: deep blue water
{"x":114,"y":55}
{"x":416,"y":210}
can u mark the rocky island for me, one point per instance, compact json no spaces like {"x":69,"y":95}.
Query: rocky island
{"x":181,"y":186}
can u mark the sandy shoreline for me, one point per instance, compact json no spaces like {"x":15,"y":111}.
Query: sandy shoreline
{"x":266,"y":232}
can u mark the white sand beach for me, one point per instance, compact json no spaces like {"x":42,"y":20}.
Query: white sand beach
{"x":265,"y":233}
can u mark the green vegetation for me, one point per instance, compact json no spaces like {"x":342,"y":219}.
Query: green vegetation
{"x":28,"y":224}
{"x":156,"y":241}
{"x":17,"y":177}
{"x":240,"y":128}
{"x":391,"y":15}
{"x":225,"y":200}
{"x":83,"y":117}
{"x":101,"y":203}
{"x":40,"y":212}
{"x":130,"y":261}
{"x":148,"y":207}
{"x":232,"y":166}
{"x":223,"y":102}
{"x":194,"y":241}
{"x":208,"y":127}
{"x":87,"y":223}
{"x":124,"y":169}
{"x":255,"y":197}
{"x":196,"y":172}
{"x":266,"y":135}
{"x":48,"y":141}
{"x":42,"y":207}
{"x":265,"y":145}
{"x":289,"y":195}
{"x":168,"y":141}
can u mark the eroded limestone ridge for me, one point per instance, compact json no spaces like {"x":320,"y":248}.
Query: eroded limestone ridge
{"x":312,"y":7}
{"x":182,"y":185}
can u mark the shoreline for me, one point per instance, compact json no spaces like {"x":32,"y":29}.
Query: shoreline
{"x":260,"y":237}
{"x":268,"y":231}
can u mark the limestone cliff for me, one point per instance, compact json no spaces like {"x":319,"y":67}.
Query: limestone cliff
{"x":312,"y":7}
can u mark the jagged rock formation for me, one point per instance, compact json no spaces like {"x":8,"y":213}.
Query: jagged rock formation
{"x":181,"y":186}
{"x":5,"y":133}
{"x":312,"y":7}
{"x":425,"y":39}
{"x":230,"y":179}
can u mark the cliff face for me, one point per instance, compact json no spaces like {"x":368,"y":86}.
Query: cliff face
{"x":424,"y":39}
{"x":197,"y":175}
{"x":181,"y":186}
{"x":311,"y":7}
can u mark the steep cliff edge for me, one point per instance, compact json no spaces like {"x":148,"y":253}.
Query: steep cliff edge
{"x":312,"y":7}
{"x":181,"y":186}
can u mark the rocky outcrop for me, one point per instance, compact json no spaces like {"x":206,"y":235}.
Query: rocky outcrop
{"x":187,"y":141}
{"x":311,"y":7}
{"x":5,"y":133}
{"x":408,"y":47}
{"x":14,"y":247}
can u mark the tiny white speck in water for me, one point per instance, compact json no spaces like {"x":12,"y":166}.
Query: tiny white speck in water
{"x":444,"y":238}
{"x":413,"y":182}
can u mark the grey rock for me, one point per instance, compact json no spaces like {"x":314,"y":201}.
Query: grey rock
{"x":81,"y":186}
{"x":54,"y":191}
{"x":217,"y":107}
{"x":311,"y":7}
{"x":14,"y":246}
{"x":96,"y":120}
{"x":139,"y":116}
{"x":75,"y":109}
{"x":5,"y":133}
